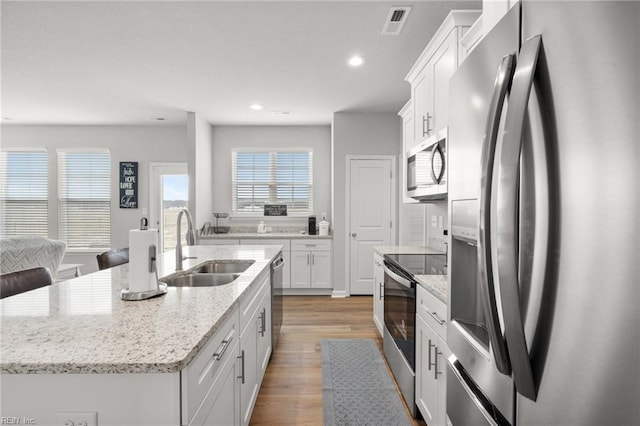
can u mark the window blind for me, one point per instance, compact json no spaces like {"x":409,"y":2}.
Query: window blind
{"x":23,"y":193}
{"x":272,"y":177}
{"x":84,"y":198}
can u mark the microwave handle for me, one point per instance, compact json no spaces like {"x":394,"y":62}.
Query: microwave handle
{"x":437,"y":150}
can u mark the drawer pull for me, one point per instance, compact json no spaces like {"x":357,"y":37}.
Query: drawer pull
{"x":222,"y":349}
{"x":435,"y":316}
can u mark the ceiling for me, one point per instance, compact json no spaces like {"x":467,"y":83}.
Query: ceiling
{"x":114,"y":62}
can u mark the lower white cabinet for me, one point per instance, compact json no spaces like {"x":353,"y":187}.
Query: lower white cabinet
{"x":311,"y":263}
{"x":220,"y":386}
{"x":378,"y":292}
{"x":221,"y":405}
{"x":255,"y":346}
{"x":431,"y":357}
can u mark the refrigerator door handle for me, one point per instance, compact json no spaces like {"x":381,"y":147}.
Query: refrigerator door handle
{"x":485,"y":270}
{"x":507,"y":224}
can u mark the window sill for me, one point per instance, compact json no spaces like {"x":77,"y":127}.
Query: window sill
{"x":262,"y":216}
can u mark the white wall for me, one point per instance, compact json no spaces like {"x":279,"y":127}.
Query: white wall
{"x":226,"y":138}
{"x":143,"y":144}
{"x":353,"y":134}
{"x":200,"y":142}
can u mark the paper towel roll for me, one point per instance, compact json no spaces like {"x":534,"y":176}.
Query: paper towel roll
{"x":140,"y":279}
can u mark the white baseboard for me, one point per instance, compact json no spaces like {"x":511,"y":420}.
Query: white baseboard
{"x":339,"y":293}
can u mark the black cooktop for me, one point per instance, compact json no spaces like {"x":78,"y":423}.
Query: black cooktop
{"x":419,"y":264}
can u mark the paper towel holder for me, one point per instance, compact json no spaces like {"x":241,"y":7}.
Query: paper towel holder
{"x":161,"y":288}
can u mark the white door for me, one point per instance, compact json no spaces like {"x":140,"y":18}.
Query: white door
{"x":169,"y":191}
{"x":371,"y":193}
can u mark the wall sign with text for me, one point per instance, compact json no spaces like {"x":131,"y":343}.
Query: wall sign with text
{"x":128,"y":184}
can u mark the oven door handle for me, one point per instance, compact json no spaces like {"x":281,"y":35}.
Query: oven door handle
{"x":397,"y":278}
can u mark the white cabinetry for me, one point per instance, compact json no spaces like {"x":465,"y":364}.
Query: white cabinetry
{"x":431,"y":355}
{"x":205,"y":381}
{"x":286,"y":255}
{"x":429,"y":76}
{"x":311,"y":263}
{"x":255,"y":345}
{"x":378,"y":292}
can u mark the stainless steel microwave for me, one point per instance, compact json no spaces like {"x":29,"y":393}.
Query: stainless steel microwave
{"x":427,"y":168}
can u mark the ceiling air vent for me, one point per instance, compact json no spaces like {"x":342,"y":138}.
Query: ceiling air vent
{"x":395,"y":20}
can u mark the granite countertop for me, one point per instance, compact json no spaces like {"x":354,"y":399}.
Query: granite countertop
{"x":434,"y":284}
{"x":267,"y":235}
{"x":82,"y":325}
{"x":382,"y":250}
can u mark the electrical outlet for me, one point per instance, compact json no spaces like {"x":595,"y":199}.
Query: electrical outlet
{"x":77,"y":418}
{"x":434,"y":221}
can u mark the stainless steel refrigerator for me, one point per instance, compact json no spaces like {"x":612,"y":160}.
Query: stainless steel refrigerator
{"x":544,"y":294}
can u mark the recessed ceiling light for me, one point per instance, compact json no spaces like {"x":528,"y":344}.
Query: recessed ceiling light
{"x":256,"y":107}
{"x":355,"y":61}
{"x":280,"y":112}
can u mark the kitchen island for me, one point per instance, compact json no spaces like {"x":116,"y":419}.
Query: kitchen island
{"x":77,"y":347}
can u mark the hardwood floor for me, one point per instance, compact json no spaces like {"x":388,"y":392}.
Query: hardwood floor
{"x":291,"y":392}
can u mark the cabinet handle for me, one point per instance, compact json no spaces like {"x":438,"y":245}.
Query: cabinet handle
{"x":313,"y":260}
{"x":308,"y":262}
{"x":431,"y":345}
{"x":435,"y":316}
{"x":241,"y":357}
{"x":222,"y":349}
{"x":426,"y":121}
{"x":381,"y":291}
{"x":263,"y":322}
{"x":435,"y":364}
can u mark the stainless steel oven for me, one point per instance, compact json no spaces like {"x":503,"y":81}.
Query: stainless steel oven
{"x":400,"y":314}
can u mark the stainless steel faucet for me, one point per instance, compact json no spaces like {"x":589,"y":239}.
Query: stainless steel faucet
{"x":191,"y":237}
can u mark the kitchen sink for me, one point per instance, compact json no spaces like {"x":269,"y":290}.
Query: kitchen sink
{"x":223,"y":266}
{"x":199,"y":279}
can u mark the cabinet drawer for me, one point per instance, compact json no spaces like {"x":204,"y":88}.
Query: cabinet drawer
{"x":310,"y":244}
{"x":432,"y":310}
{"x":202,"y":371}
{"x":250,"y":302}
{"x":267,"y":241}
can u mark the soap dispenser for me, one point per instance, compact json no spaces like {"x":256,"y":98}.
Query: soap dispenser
{"x":323,"y":227}
{"x":262,"y":229}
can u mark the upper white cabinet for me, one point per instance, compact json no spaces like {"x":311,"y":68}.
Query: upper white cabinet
{"x":429,"y":76}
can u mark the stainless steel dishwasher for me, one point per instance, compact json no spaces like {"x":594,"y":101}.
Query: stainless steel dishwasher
{"x":276,"y":299}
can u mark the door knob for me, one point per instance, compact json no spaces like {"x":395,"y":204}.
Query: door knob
{"x":354,"y":235}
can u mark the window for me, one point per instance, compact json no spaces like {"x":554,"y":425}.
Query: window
{"x":84,"y":198}
{"x":23,"y":193}
{"x":272,"y":177}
